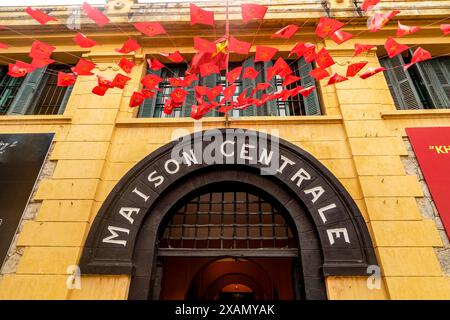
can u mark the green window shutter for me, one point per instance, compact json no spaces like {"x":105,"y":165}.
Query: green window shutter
{"x":65,"y":99}
{"x":249,"y":84}
{"x":26,"y":94}
{"x":271,"y":107}
{"x":8,"y":89}
{"x":210,"y":82}
{"x":147,"y":109}
{"x":190,"y":99}
{"x":436,"y":77}
{"x":311,"y":102}
{"x":400,"y":84}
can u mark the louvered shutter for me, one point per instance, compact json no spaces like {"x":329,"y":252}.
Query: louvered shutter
{"x":8,"y":89}
{"x":190,"y":99}
{"x":25,"y":96}
{"x":65,"y":99}
{"x":250,"y":84}
{"x":436,"y":77}
{"x":147,"y":109}
{"x":311,"y":102}
{"x":400,"y":84}
{"x":271,"y":107}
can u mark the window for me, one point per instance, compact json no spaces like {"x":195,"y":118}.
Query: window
{"x":37,"y":93}
{"x":294,"y":106}
{"x":425,"y":85}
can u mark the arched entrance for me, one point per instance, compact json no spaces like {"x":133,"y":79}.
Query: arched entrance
{"x":127,"y":236}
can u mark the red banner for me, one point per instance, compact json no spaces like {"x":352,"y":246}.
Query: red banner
{"x":432,"y":149}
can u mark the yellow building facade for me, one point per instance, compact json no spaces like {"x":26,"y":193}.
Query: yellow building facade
{"x":359,"y":136}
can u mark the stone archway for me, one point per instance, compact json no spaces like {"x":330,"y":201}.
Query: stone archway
{"x":332,"y":234}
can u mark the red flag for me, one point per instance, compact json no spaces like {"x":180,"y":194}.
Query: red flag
{"x":310,"y":55}
{"x":200,"y":16}
{"x":151,"y":80}
{"x":252,"y":11}
{"x":319,"y":74}
{"x":241,"y":47}
{"x":136,"y":99}
{"x":39,"y":15}
{"x":83,"y":41}
{"x":264,"y":53}
{"x":380,"y":19}
{"x":155,"y":64}
{"x":234,"y":74}
{"x":150,"y":29}
{"x":445,"y":28}
{"x":307,"y":91}
{"x":281,"y":67}
{"x":100,"y":90}
{"x":126,"y":65}
{"x":94,"y":14}
{"x":147,"y":93}
{"x":336,"y":78}
{"x":178,"y":95}
{"x":286,"y":32}
{"x":129,"y":46}
{"x":367,"y":4}
{"x":403,"y":30}
{"x":103,"y":82}
{"x":360,"y":48}
{"x":120,"y":81}
{"x":198,"y":111}
{"x":175,"y":57}
{"x":65,"y":79}
{"x":189,"y":78}
{"x":204,"y":45}
{"x":176,"y":82}
{"x":25,"y":66}
{"x":212,"y":93}
{"x":260,"y":86}
{"x":3,"y":45}
{"x":304,"y":49}
{"x":340,"y":36}
{"x":207,"y":69}
{"x":323,"y":59}
{"x":228,"y":93}
{"x":83,"y":67}
{"x":370,"y":72}
{"x":16,"y":71}
{"x":327,"y":26}
{"x":250,"y":73}
{"x":290,"y":79}
{"x":41,"y":62}
{"x":40,"y":50}
{"x":394,"y":48}
{"x":418,"y":55}
{"x":354,"y":68}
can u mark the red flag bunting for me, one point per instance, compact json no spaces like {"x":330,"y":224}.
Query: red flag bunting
{"x":209,"y":68}
{"x":340,"y":36}
{"x":126,"y":65}
{"x":319,"y":74}
{"x":103,"y":82}
{"x":41,"y":49}
{"x":120,"y":81}
{"x":419,"y":55}
{"x":188,"y":79}
{"x":155,"y":64}
{"x":83,"y":41}
{"x":445,"y":28}
{"x":136,"y":99}
{"x":251,"y":11}
{"x":234,"y":74}
{"x":307,"y":91}
{"x":360,"y":48}
{"x":65,"y":79}
{"x":147,"y":93}
{"x":286,"y":32}
{"x":324,"y":59}
{"x":200,"y":16}
{"x":83,"y":67}
{"x":213,"y":92}
{"x":3,"y":45}
{"x":229,"y":92}
{"x":129,"y":46}
{"x":204,"y":45}
{"x":95,"y":15}
{"x":380,"y":19}
{"x":150,"y":29}
{"x":178,"y":95}
{"x":370,"y":72}
{"x":151,"y":81}
{"x":281,"y":67}
{"x":100,"y":90}
{"x":394,"y":48}
{"x":290,"y":79}
{"x":250,"y":73}
{"x":175,"y":57}
{"x":241,"y":47}
{"x":403,"y":30}
{"x":176,"y":82}
{"x":336,"y":78}
{"x":260,"y":86}
{"x":327,"y":26}
{"x":41,"y":62}
{"x":264,"y":53}
{"x":354,"y":68}
{"x":367,"y":4}
{"x":16,"y":71}
{"x":39,"y":15}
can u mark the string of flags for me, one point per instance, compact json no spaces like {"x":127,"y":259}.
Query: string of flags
{"x":212,"y":58}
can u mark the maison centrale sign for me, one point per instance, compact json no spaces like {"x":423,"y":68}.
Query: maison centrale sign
{"x":332,"y":210}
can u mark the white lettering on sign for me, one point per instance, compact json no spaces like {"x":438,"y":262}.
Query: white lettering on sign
{"x":157,"y":180}
{"x":337,"y":232}
{"x":222,"y":148}
{"x":316,"y":193}
{"x":174,"y":170}
{"x":245,"y":151}
{"x":323,"y":209}
{"x":4,"y":145}
{"x":301,"y":175}
{"x":111,"y":239}
{"x":265,"y":158}
{"x":127,"y":212}
{"x":286,"y":161}
{"x":190,"y":158}
{"x":140,"y":194}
